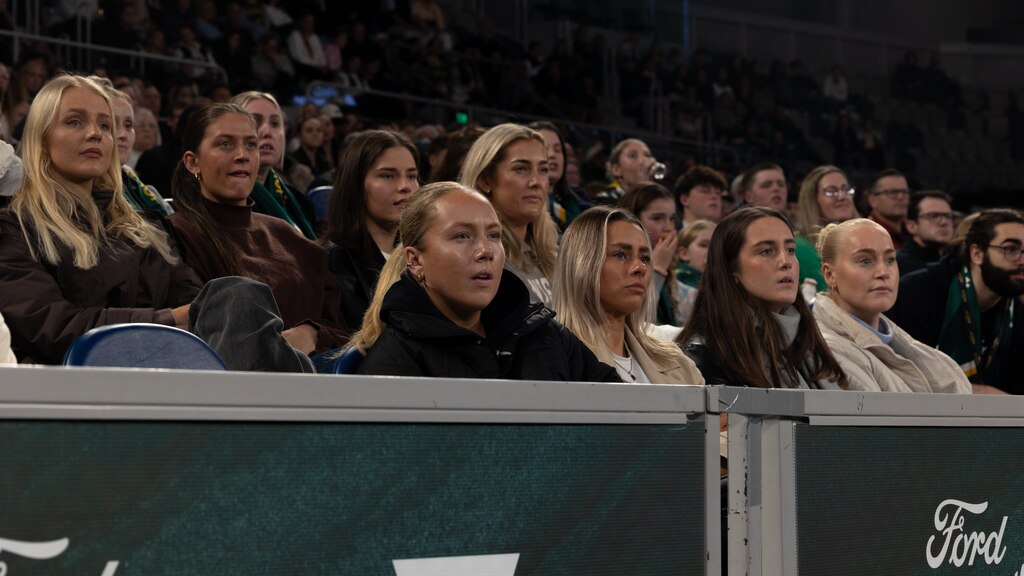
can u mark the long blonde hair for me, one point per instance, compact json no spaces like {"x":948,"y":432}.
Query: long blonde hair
{"x":577,"y":286}
{"x":541,"y":234}
{"x":61,"y":217}
{"x":419,"y":213}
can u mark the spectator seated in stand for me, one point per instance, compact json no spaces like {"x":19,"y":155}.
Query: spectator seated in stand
{"x":446,"y":308}
{"x":141,"y":197}
{"x":564,"y":203}
{"x":629,"y":164}
{"x":652,"y":204}
{"x":750,"y":325}
{"x":825,"y":197}
{"x":509,"y":165}
{"x":376,"y":178}
{"x":929,"y":227}
{"x":270,"y":194}
{"x":224,"y":237}
{"x":602,"y":283}
{"x":859,"y":266}
{"x":74,"y":255}
{"x":694,"y":241}
{"x":967,"y":303}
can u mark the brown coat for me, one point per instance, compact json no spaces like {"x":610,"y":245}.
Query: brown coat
{"x":48,"y":306}
{"x":279,"y":256}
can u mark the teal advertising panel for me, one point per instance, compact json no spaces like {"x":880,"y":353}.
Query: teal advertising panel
{"x":909,"y":500}
{"x":156,"y":497}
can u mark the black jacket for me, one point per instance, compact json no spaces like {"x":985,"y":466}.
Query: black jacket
{"x":357,"y":273}
{"x":524,"y":342}
{"x":913,"y":257}
{"x":709,"y":368}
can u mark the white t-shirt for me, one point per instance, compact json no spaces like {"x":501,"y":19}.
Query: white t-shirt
{"x":629,"y":370}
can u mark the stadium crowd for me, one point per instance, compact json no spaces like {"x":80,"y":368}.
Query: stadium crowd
{"x":181,"y":198}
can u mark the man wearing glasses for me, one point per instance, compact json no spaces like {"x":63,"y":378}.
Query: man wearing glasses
{"x":966,"y":304}
{"x":888,"y":197}
{"x":929,"y":227}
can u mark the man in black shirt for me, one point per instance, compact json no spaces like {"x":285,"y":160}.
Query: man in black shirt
{"x":929,"y":226}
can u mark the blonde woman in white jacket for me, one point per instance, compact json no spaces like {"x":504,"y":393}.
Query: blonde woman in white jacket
{"x":859,"y":266}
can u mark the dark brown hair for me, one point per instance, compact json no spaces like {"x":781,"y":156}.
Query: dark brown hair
{"x":738,"y":329}
{"x":697,"y":176}
{"x":346,"y":214}
{"x":637,"y":199}
{"x":747,"y":183}
{"x":188,"y":197}
{"x":459,"y":143}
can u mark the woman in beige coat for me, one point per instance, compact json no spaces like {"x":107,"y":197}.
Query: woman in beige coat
{"x":602,"y":293}
{"x":859,"y":266}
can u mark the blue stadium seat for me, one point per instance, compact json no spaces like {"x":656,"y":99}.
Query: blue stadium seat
{"x":142,"y":346}
{"x":348,"y":362}
{"x":320,"y":197}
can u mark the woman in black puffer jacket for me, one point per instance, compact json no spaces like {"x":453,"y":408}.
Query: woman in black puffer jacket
{"x":445,"y":308}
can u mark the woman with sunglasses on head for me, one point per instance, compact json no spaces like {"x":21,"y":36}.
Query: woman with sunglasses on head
{"x":825,"y":197}
{"x":602,"y":286}
{"x":750,"y":325}
{"x":446,"y":307}
{"x":74,"y":255}
{"x":859,"y":266}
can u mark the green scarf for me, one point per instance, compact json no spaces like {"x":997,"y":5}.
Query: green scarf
{"x":565,"y":208}
{"x":140,"y":196}
{"x":688,"y":275}
{"x":273,"y":198}
{"x":960,"y":337}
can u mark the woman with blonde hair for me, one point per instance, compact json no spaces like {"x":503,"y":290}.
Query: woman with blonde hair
{"x":445,"y":306}
{"x":74,"y":255}
{"x":825,"y":197}
{"x":509,"y":165}
{"x":602,"y":293}
{"x":270,"y":194}
{"x":859,"y":266}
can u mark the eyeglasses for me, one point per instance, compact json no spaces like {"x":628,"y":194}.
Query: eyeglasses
{"x":834,"y":192}
{"x":936,"y":216}
{"x":1011,"y":252}
{"x":892,"y":192}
